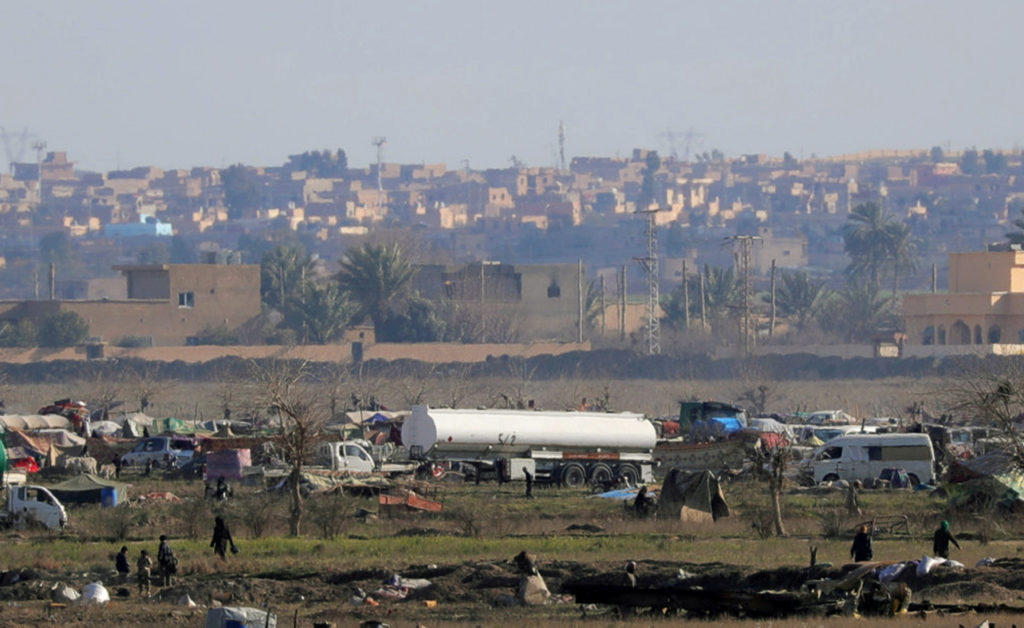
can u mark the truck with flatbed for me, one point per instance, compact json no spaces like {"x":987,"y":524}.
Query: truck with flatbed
{"x":25,"y":504}
{"x":567,"y":448}
{"x":359,"y":456}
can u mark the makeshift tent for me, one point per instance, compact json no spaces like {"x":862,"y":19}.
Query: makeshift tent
{"x":692,"y":496}
{"x":90,"y":489}
{"x":168,"y":424}
{"x":713,"y":428}
{"x":359,"y":417}
{"x":105,"y":428}
{"x":33,"y":422}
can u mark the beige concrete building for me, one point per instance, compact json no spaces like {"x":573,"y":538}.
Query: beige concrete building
{"x":166,"y":304}
{"x":984,"y":304}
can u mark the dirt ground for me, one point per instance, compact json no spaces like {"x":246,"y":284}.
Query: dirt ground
{"x":482,"y":593}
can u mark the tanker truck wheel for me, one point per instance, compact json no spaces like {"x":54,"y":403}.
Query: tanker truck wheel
{"x":573,"y":476}
{"x":629,"y":474}
{"x":601,"y":474}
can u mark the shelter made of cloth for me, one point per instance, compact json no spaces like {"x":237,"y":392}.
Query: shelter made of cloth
{"x":692,"y":496}
{"x":87,"y":489}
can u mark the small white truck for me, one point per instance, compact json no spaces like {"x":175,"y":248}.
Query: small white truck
{"x":355,"y":456}
{"x":26,"y":503}
{"x":160,"y":449}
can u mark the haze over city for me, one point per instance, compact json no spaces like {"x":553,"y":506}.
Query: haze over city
{"x":193,"y":83}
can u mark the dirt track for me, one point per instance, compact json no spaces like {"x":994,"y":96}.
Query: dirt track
{"x":477,"y":592}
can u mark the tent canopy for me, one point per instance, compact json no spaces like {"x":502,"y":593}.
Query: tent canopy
{"x":692,"y":495}
{"x":88,"y":482}
{"x":33,"y":422}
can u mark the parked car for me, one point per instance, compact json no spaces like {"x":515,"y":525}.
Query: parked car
{"x":866,"y":456}
{"x":160,"y":449}
{"x":830,"y":417}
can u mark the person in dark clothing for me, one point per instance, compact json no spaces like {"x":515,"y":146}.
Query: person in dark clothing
{"x":167,"y":560}
{"x":121,"y":564}
{"x":642,"y":503}
{"x":861,"y":550}
{"x":221,"y":539}
{"x":117,"y":467}
{"x":529,"y":484}
{"x":940,"y":546}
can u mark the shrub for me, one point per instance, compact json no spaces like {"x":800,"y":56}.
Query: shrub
{"x":129,"y":342}
{"x":832,"y":521}
{"x":216,"y":336}
{"x":331,"y":514}
{"x":62,"y":329}
{"x":20,"y":333}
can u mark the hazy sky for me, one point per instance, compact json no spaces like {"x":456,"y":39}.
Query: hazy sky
{"x":187,"y":83}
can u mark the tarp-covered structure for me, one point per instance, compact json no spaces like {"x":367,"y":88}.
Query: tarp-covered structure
{"x":977,"y":483}
{"x":233,"y":616}
{"x":49,"y":446}
{"x":692,"y":496}
{"x":87,"y":488}
{"x":25,"y":422}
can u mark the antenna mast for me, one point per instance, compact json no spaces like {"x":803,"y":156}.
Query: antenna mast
{"x":379,"y":142}
{"x":650,"y":264}
{"x":561,"y":145}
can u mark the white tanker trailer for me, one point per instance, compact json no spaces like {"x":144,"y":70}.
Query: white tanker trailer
{"x":570,"y":448}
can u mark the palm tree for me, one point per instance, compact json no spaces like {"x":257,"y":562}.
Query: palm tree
{"x":799,"y":298}
{"x":283,"y":275}
{"x":859,"y":311}
{"x":902,"y":248}
{"x":375,"y":276}
{"x":865,"y":241}
{"x":322,"y":314}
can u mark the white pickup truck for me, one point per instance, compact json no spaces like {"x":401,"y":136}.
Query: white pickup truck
{"x":355,"y":456}
{"x":24,"y":504}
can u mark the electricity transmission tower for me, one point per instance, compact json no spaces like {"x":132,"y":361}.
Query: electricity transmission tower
{"x":561,"y":145}
{"x":650,"y":265}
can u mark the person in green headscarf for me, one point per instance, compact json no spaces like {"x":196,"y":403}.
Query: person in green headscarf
{"x":943,"y":537}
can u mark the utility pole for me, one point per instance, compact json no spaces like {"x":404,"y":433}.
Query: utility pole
{"x":743,"y":261}
{"x":771,"y":323}
{"x":650,"y":264}
{"x":579,"y":299}
{"x":686,"y":300}
{"x":603,"y":307}
{"x":483,"y":322}
{"x":622,"y":303}
{"x":703,"y":301}
{"x":39,"y":147}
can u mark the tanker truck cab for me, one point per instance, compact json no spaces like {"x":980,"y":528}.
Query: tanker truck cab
{"x":865,"y":456}
{"x":28,"y":503}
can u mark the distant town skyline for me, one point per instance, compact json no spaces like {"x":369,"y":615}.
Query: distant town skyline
{"x":119,"y":85}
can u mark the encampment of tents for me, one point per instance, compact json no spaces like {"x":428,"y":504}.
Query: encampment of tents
{"x":692,"y":496}
{"x":90,"y":489}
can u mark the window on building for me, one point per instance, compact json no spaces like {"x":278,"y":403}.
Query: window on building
{"x":995,"y":335}
{"x":554,"y":292}
{"x":186,"y":299}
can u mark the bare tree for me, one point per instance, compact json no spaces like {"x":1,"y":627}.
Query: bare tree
{"x":992,"y":393}
{"x":456,"y":383}
{"x":520,"y":375}
{"x":296,"y":398}
{"x":771,"y":464}
{"x":143,"y":386}
{"x":103,"y":393}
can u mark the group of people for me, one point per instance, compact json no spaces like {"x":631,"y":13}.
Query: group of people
{"x":861,"y":549}
{"x":167,"y":561}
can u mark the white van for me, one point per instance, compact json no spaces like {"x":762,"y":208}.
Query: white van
{"x":864,"y":456}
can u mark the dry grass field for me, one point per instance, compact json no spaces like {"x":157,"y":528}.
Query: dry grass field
{"x":466,"y":549}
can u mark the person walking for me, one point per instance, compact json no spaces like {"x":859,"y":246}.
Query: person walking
{"x":529,"y":484}
{"x":222,"y":539}
{"x":167,"y":560}
{"x":861,"y":550}
{"x":145,"y":566}
{"x":943,"y":537}
{"x":121,"y":564}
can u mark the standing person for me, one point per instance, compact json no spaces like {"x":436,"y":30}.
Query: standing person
{"x":117,"y":467}
{"x":145,"y":565}
{"x":168,"y":561}
{"x":222,"y":538}
{"x":121,"y":564}
{"x":940,"y":546}
{"x":529,"y":483}
{"x":641,"y":505}
{"x":861,"y":550}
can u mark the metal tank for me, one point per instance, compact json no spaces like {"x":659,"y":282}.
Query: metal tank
{"x":513,"y":432}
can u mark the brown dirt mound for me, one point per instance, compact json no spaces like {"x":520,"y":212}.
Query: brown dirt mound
{"x":977,"y":592}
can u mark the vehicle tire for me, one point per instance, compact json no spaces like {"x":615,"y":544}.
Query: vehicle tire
{"x":831,"y":477}
{"x":914,"y":480}
{"x":629,"y":474}
{"x":600,"y":473}
{"x":573,"y":475}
